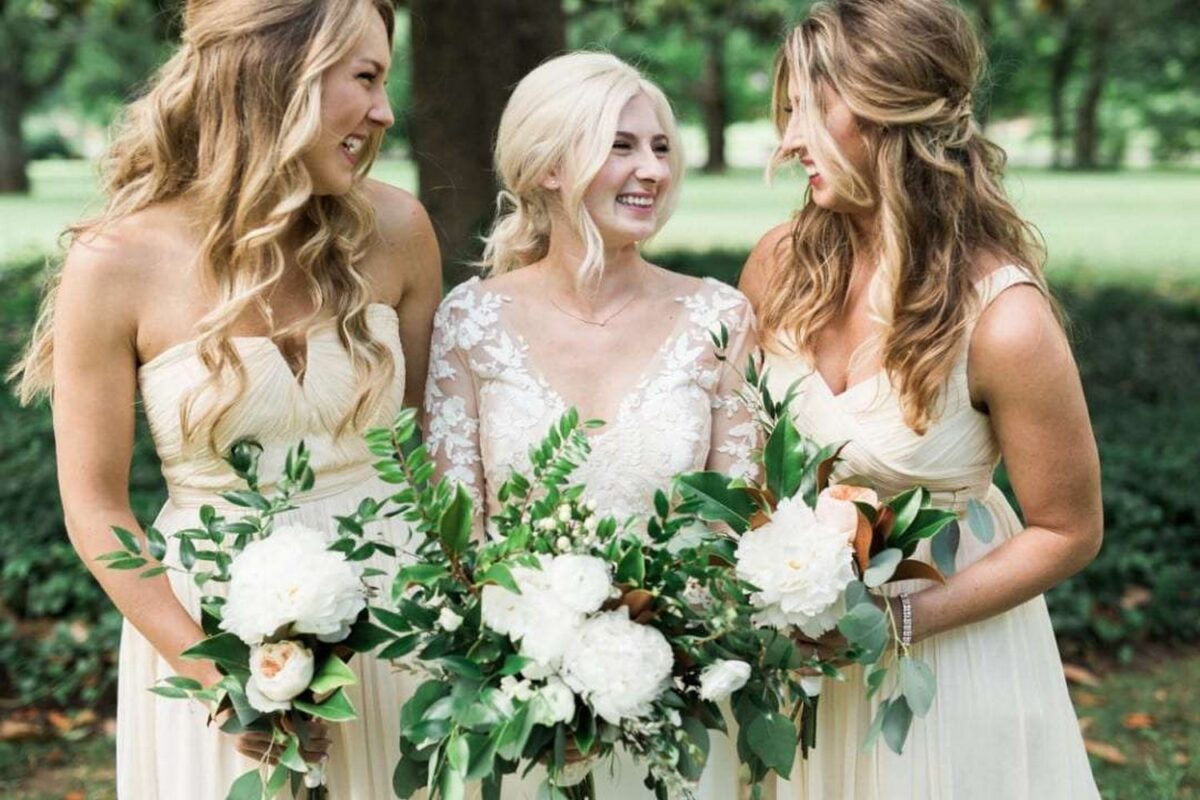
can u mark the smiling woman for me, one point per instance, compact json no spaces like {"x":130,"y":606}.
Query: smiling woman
{"x":247,"y":280}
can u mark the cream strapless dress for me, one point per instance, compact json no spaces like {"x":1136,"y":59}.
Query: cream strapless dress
{"x":1002,"y":726}
{"x":165,"y":749}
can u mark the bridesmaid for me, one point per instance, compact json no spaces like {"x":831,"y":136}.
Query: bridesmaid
{"x":245,"y":279}
{"x":907,"y":298}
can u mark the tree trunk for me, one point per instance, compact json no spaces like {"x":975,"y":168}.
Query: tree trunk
{"x":1087,"y":122}
{"x":14,"y":177}
{"x":1060,"y":71}
{"x":466,"y":57}
{"x":714,"y":101}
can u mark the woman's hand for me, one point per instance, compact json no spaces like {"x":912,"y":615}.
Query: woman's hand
{"x":314,"y":746}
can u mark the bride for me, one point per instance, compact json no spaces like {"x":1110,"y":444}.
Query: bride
{"x":246,"y":280}
{"x":571,"y":315}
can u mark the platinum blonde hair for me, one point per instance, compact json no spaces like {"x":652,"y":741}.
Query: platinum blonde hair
{"x":562,"y":118}
{"x":226,"y":122}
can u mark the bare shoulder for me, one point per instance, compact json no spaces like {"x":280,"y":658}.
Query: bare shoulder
{"x":1018,"y":345}
{"x":405,"y":257}
{"x":117,"y":268}
{"x":399,"y":214}
{"x":766,"y":257}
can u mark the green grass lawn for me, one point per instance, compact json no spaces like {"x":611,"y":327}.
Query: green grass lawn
{"x":1130,"y":227}
{"x":1143,"y":719}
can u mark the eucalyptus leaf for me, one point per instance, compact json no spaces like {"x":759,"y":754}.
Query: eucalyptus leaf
{"x":865,"y":626}
{"x":772,"y":737}
{"x":944,"y":548}
{"x":883,"y":565}
{"x":979,"y":520}
{"x":918,"y":684}
{"x":248,"y":786}
{"x":896,"y":723}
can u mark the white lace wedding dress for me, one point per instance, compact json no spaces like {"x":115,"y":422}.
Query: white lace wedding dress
{"x":487,"y":402}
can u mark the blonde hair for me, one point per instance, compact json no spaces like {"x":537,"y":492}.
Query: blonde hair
{"x":562,"y":117}
{"x":907,"y":70}
{"x":226,"y":122}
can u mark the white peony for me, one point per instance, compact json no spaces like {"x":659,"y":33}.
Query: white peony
{"x":553,"y":603}
{"x":722,"y":678}
{"x":278,"y":672}
{"x":801,"y":565}
{"x":618,"y":666}
{"x":290,"y":581}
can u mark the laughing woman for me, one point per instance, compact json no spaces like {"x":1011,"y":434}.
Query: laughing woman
{"x":572,"y":315}
{"x":247,"y":280}
{"x":906,"y":297}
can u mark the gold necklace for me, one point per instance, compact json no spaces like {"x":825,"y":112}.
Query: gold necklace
{"x":600,"y":323}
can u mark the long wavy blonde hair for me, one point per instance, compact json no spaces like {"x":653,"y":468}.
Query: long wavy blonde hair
{"x":562,"y":117}
{"x":226,"y":122}
{"x":907,"y":69}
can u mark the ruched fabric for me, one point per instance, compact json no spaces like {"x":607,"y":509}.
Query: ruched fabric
{"x":1002,"y":726}
{"x":165,"y":748}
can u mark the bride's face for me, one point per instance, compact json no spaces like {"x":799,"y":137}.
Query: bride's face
{"x":625,"y":198}
{"x":354,"y":105}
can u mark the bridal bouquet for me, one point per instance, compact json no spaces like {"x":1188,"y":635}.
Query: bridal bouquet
{"x":559,"y":637}
{"x":293,"y":613}
{"x":816,"y":555}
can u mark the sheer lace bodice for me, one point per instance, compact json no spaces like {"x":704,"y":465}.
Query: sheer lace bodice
{"x":487,"y":402}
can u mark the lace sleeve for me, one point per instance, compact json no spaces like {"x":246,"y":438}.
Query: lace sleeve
{"x":734,"y":432}
{"x":451,"y":418}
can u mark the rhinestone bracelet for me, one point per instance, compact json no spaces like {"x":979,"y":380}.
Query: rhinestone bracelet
{"x":905,"y":620}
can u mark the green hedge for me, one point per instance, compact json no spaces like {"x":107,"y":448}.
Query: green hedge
{"x":1137,"y":352}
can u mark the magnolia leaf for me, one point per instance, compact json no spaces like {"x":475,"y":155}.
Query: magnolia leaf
{"x":785,"y":458}
{"x":896,"y":723}
{"x":979,"y":520}
{"x":917,"y":684}
{"x":864,"y":537}
{"x":708,"y":496}
{"x":882,"y":567}
{"x":826,"y":465}
{"x":772,"y":737}
{"x":334,"y":674}
{"x":408,"y":777}
{"x":906,"y":505}
{"x":911,"y":569}
{"x":335,"y":708}
{"x":455,"y":525}
{"x":944,"y":548}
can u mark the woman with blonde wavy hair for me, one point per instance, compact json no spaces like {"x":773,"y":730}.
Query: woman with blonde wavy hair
{"x":572,"y":315}
{"x":247,"y":280}
{"x":906,"y":301}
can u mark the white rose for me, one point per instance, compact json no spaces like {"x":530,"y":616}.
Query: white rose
{"x":811,"y":684}
{"x":619,"y":667}
{"x":801,"y":567}
{"x":555,"y":703}
{"x":278,"y":672}
{"x":722,"y":678}
{"x":290,"y":582}
{"x":449,"y":621}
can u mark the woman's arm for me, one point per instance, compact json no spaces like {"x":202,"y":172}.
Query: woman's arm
{"x":411,"y":263}
{"x":95,"y":369}
{"x":1022,"y":373}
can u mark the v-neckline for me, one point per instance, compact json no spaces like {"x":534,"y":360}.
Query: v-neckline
{"x":627,"y":393}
